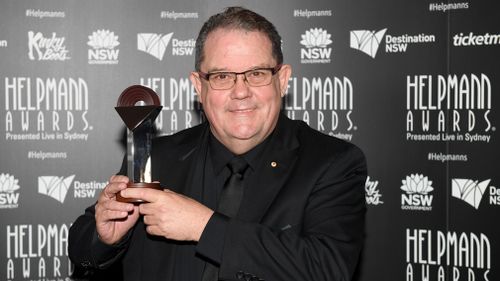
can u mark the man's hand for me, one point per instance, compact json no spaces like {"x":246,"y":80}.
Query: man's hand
{"x":114,"y":219}
{"x":170,"y":214}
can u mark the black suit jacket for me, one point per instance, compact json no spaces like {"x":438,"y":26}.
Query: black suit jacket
{"x":301,"y":219}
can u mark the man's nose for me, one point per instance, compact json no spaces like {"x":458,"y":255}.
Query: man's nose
{"x":241,"y":88}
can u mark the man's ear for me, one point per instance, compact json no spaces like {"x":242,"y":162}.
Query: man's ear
{"x":196,"y":81}
{"x":284,"y":75}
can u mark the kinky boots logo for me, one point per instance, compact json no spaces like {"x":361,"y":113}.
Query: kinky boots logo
{"x":46,"y":48}
{"x":434,"y":255}
{"x":449,"y":108}
{"x":46,"y":109}
{"x":36,"y":252}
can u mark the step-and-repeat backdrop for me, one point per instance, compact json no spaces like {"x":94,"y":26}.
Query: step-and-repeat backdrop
{"x":414,"y":83}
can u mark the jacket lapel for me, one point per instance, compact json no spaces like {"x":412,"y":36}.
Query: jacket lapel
{"x":272,"y":172}
{"x":184,"y":169}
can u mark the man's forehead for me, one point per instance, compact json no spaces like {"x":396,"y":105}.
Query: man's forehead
{"x":224,"y":46}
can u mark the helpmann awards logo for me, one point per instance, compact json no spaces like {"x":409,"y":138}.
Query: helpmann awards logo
{"x":36,"y":252}
{"x":449,"y":108}
{"x":435,"y":255}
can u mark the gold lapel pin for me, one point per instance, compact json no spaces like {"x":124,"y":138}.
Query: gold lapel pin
{"x":274,"y":164}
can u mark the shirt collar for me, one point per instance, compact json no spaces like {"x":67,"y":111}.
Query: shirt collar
{"x":221,"y":155}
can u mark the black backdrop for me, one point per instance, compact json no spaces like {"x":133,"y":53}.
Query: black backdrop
{"x":413,"y":83}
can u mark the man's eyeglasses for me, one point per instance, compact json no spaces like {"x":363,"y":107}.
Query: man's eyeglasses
{"x":254,"y":77}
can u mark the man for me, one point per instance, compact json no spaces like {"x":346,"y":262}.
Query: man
{"x":300,"y":214}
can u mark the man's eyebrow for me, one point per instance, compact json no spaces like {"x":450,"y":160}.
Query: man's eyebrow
{"x":224,"y":69}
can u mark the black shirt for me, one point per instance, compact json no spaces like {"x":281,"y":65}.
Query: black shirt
{"x":216,"y":172}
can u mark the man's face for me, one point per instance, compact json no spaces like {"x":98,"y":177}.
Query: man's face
{"x":243,"y":116}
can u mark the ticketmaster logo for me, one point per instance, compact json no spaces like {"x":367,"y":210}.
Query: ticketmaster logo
{"x":153,"y":44}
{"x":469,"y":191}
{"x":472,"y":39}
{"x":367,"y":41}
{"x":55,"y":187}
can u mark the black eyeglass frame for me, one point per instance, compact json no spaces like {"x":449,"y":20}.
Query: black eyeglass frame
{"x":273,"y":70}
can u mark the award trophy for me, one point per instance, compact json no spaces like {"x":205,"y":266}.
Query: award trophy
{"x":138,"y":106}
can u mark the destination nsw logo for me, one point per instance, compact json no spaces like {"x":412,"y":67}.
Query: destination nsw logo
{"x":156,"y":45}
{"x":58,"y":187}
{"x":367,"y":41}
{"x":417,"y":188}
{"x":449,"y":108}
{"x":447,"y":256}
{"x":473,"y":191}
{"x":9,"y":191}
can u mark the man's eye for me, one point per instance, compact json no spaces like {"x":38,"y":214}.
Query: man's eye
{"x":257,"y":73}
{"x":220,"y":76}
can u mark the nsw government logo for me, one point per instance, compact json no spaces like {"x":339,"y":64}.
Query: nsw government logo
{"x":316,"y":41}
{"x":103,"y":43}
{"x":9,"y":194}
{"x":416,"y":197}
{"x":46,"y":48}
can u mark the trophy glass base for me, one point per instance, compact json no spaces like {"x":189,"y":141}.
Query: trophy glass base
{"x":154,"y":185}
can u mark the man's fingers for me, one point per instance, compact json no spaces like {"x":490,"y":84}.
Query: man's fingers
{"x":119,"y":178}
{"x":146,"y":194}
{"x":113,"y":188}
